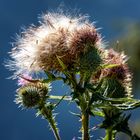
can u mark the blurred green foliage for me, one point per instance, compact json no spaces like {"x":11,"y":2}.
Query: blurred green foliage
{"x":129,"y":42}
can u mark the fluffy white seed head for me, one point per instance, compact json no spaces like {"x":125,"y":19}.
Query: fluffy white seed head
{"x":37,"y":48}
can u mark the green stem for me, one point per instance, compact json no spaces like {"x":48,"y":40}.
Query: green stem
{"x":54,"y":128}
{"x":110,"y":135}
{"x":85,"y":118}
{"x":85,"y":126}
{"x":47,"y":113}
{"x":82,"y":97}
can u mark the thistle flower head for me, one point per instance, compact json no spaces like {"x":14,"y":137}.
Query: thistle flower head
{"x":31,"y":94}
{"x":67,"y":37}
{"x":117,"y":79}
{"x":84,"y":35}
{"x":120,"y":71}
{"x":85,"y":47}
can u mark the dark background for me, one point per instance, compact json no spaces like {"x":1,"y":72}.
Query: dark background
{"x":115,"y":18}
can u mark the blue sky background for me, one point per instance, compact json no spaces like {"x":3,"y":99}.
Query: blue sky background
{"x":17,"y":124}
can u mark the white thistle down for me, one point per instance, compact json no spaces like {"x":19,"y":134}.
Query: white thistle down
{"x":37,"y":47}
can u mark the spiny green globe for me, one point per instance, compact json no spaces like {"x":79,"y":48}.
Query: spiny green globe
{"x":30,"y":95}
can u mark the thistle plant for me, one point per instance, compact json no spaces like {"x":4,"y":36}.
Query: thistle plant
{"x":71,"y":49}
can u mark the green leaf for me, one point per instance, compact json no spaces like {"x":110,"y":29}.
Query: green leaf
{"x":59,"y":101}
{"x":61,"y":63}
{"x":122,"y":103}
{"x":108,"y":66}
{"x":50,"y":75}
{"x":96,"y":112}
{"x":75,"y":114}
{"x":67,"y":98}
{"x":117,"y":122}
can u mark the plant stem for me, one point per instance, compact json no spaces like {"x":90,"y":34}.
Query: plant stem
{"x":110,"y":135}
{"x":54,"y":128}
{"x":85,"y":126}
{"x":83,"y":105}
{"x":47,"y":113}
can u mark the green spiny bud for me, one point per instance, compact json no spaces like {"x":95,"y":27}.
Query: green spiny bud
{"x":113,"y":88}
{"x":28,"y":96}
{"x":90,"y":59}
{"x":31,"y":94}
